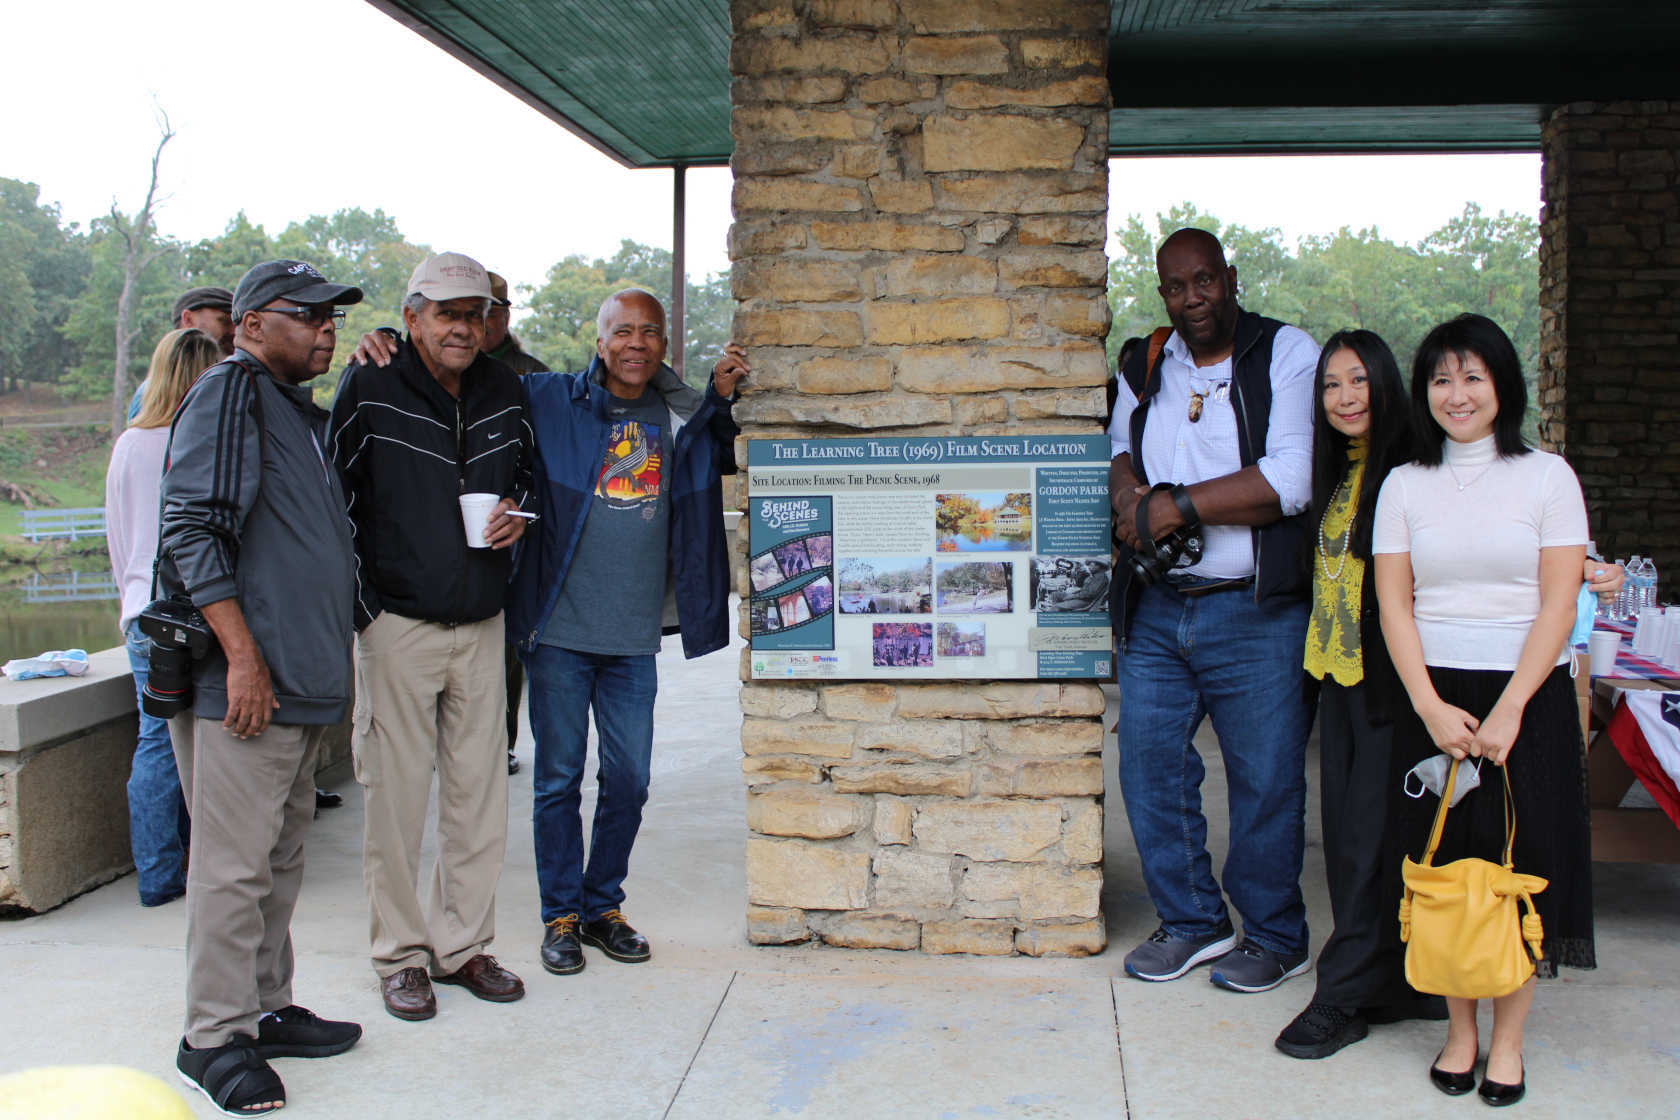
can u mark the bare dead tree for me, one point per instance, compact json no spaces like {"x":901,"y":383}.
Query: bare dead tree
{"x":140,"y":248}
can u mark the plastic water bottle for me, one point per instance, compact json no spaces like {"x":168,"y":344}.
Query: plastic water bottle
{"x":1648,"y":583}
{"x":1627,"y":599}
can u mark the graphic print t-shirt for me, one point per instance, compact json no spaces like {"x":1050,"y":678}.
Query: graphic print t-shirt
{"x":615,"y":589}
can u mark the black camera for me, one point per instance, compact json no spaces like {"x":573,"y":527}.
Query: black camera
{"x":179,"y":637}
{"x":1155,"y":558}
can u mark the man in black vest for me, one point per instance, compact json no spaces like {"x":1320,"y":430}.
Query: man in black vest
{"x":1212,"y":436}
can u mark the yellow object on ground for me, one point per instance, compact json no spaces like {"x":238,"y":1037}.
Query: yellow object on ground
{"x":88,"y":1093}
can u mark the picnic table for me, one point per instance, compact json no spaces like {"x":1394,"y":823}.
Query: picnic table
{"x":1625,"y":835}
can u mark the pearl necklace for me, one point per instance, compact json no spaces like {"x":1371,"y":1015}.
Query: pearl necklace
{"x":1324,"y":545}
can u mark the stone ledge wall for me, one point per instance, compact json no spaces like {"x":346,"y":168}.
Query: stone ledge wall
{"x":920,"y":199}
{"x":1609,"y":378}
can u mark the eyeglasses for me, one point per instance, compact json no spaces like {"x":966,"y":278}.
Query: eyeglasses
{"x":308,"y":316}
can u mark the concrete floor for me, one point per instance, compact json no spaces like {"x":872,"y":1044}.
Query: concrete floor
{"x":714,"y":1027}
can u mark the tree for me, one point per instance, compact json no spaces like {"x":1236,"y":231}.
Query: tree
{"x":560,"y":328}
{"x":43,"y":268}
{"x":140,"y":249}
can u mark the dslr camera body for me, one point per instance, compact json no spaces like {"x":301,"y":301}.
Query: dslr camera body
{"x":1154,"y":558}
{"x":179,"y":636}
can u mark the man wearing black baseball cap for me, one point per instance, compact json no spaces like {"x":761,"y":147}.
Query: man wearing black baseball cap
{"x":208,"y":309}
{"x":254,"y":535}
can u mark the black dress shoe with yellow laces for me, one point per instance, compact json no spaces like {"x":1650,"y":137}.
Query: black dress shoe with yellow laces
{"x":615,"y":937}
{"x":562,"y":954}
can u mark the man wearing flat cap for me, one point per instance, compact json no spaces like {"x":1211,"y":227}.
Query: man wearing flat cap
{"x":410,"y":438}
{"x":254,"y":536}
{"x":208,"y":309}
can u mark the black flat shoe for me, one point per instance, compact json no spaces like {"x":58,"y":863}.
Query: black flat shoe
{"x":1452,"y":1084}
{"x":1499,"y":1095}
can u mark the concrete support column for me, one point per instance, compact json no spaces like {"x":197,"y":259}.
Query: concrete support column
{"x":920,"y":201}
{"x":1609,"y":376}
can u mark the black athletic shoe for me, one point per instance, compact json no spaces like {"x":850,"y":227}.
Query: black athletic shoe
{"x":1321,"y":1030}
{"x":297,"y":1032}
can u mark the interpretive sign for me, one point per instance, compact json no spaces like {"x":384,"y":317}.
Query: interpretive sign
{"x":929,"y":557}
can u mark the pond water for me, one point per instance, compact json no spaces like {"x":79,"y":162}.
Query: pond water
{"x":61,"y":607}
{"x":983,"y":541}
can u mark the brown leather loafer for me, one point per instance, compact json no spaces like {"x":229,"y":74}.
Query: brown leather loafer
{"x":408,"y":994}
{"x":486,"y":979}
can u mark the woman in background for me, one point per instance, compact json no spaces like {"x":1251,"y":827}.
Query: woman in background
{"x":1478,"y":547}
{"x":157,"y":813}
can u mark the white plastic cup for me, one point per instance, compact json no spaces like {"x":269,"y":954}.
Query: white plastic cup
{"x":1645,"y":629}
{"x":1601,"y":651}
{"x":475,"y":515}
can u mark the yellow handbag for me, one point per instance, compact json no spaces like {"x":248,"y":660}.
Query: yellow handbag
{"x":1459,"y":920}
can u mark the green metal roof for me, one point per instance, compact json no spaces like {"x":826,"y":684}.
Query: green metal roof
{"x":647,"y":81}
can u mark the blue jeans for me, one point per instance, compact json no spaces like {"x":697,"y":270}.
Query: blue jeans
{"x":157,"y":813}
{"x":1224,"y":656}
{"x":563,"y":686}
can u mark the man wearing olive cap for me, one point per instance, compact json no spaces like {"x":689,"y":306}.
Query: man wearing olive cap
{"x":254,"y":536}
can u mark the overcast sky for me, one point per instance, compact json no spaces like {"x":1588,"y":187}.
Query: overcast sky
{"x":309,"y":106}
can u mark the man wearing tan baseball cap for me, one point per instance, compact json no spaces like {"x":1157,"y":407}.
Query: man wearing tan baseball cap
{"x":411,"y":437}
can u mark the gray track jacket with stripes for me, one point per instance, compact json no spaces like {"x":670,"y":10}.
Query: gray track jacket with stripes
{"x":283,"y":548}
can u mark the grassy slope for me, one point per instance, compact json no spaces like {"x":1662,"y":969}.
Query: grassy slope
{"x":64,"y":464}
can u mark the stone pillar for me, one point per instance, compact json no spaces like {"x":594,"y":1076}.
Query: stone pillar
{"x":1609,"y":376}
{"x":920,"y":201}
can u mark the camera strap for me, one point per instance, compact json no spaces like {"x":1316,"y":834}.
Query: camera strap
{"x":255,"y":373}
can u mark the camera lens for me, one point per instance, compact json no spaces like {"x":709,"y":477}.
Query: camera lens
{"x":168,"y":682}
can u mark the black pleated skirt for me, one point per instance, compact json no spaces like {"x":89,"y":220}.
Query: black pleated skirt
{"x":1548,"y":772}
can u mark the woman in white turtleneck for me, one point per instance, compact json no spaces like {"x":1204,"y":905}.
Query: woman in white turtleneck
{"x":1478,"y":548}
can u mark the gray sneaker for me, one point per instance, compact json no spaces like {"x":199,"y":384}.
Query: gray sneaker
{"x":1249,"y":968}
{"x":1165,"y":957}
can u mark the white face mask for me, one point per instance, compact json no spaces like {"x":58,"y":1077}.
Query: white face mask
{"x":1431,"y":776}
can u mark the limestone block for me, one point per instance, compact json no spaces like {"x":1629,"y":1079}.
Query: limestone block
{"x":771,"y":925}
{"x":1060,"y":229}
{"x":1061,"y":402}
{"x":812,"y":736}
{"x":989,"y":231}
{"x":1090,"y":90}
{"x":764,"y":771}
{"x":1062,"y":54}
{"x":751,"y":239}
{"x":841,"y":375}
{"x":856,"y":161}
{"x":895,"y":91}
{"x":972,"y":410}
{"x":999,"y":142}
{"x":1087,"y":364}
{"x":808,"y":876}
{"x":794,"y":194}
{"x":968,"y":54}
{"x":773,"y":700}
{"x":1005,"y":908}
{"x":991,"y":939}
{"x":1082,"y":838}
{"x":945,"y":320}
{"x":1079,"y":939}
{"x":853,"y":13}
{"x":1020,"y":831}
{"x":807,"y":813}
{"x":925,"y":738}
{"x":1053,"y":268}
{"x":1040,"y":891}
{"x":864,"y":931}
{"x":796,"y":280}
{"x":892,"y":237}
{"x":890,"y":196}
{"x":907,"y":878}
{"x":1024,"y":193}
{"x":1078,"y":314}
{"x":939,"y":17}
{"x":998,"y":882}
{"x":909,"y":778}
{"x":858,"y":410}
{"x":759,"y":55}
{"x":1035,"y":738}
{"x":999,"y":700}
{"x":892,"y":820}
{"x":940,"y":275}
{"x":797,"y":328}
{"x":864,"y":701}
{"x":805,"y":91}
{"x":759,"y":15}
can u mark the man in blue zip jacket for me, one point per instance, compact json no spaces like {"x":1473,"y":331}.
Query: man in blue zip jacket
{"x":1222,"y":411}
{"x":628,"y":484}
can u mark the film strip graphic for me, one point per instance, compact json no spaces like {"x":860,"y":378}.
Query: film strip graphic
{"x":793,"y":584}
